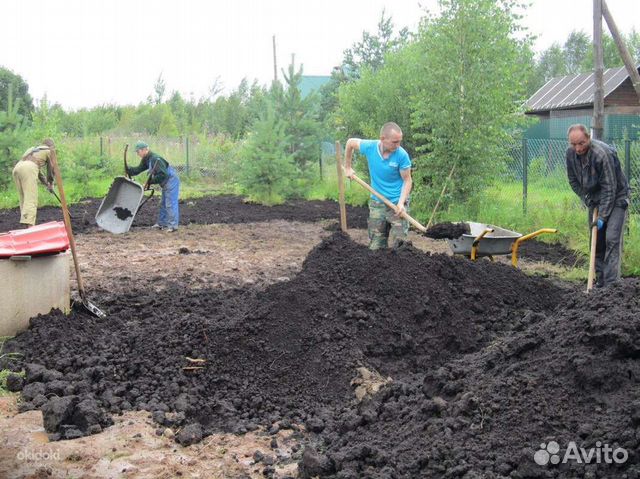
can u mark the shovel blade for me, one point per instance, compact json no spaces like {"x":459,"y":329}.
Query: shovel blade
{"x":93,"y":309}
{"x":87,"y":306}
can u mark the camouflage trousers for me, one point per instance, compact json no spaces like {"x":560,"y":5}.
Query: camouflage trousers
{"x":385,"y":228}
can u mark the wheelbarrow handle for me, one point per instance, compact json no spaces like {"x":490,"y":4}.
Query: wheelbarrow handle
{"x":146,"y":199}
{"x":126,"y":167}
{"x":366,"y":186}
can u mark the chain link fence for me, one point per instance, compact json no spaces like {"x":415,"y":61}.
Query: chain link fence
{"x":191,"y":156}
{"x":538,"y":165}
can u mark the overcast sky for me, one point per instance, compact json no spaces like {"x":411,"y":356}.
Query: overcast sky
{"x":82,"y":53}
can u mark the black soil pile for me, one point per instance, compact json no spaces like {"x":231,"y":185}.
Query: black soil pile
{"x":553,"y":253}
{"x":226,"y":209}
{"x":487,"y":365}
{"x":525,"y":406}
{"x":281,"y":356}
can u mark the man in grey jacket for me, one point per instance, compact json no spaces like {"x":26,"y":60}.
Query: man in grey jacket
{"x":596,"y":177}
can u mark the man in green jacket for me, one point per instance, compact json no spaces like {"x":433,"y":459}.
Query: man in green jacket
{"x":160,"y":173}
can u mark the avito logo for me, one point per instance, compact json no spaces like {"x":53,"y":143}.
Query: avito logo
{"x":549,"y":453}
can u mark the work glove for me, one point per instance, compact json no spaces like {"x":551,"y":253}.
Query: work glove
{"x":50,"y":187}
{"x":599,"y":223}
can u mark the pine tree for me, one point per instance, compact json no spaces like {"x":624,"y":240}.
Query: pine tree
{"x":300,"y":116}
{"x":267,"y":171}
{"x":12,"y":131}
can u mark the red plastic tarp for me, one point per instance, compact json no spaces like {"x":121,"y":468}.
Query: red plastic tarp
{"x":47,"y":238}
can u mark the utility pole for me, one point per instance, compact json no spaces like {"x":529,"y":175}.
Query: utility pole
{"x":275,"y":66}
{"x":597,"y":127}
{"x":622,"y":48}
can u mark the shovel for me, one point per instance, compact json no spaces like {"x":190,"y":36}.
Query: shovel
{"x":592,"y":256}
{"x":406,"y":216}
{"x":88,"y":305}
{"x":58,"y":198}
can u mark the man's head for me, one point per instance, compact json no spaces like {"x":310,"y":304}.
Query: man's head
{"x":390,"y":137}
{"x":48,"y":142}
{"x":142,"y":149}
{"x":579,"y":138}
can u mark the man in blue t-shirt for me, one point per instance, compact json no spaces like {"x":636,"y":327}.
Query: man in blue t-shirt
{"x":390,"y":172}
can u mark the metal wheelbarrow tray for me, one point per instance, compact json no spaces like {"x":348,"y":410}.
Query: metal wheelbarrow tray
{"x":119,"y":207}
{"x":489,"y":240}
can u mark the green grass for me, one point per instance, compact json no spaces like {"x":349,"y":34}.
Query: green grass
{"x":98,"y":188}
{"x":328,"y":190}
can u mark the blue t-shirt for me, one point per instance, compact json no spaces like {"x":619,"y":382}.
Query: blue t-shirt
{"x":385,"y":174}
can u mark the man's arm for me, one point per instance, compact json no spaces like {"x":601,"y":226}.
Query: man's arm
{"x":607,"y":186}
{"x":571,"y":175}
{"x":407,"y":183}
{"x":352,"y":144}
{"x":136,"y":170}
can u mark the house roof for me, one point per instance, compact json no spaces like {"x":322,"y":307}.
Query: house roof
{"x":309,"y":83}
{"x":573,"y":91}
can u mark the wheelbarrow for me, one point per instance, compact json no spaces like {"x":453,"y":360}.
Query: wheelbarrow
{"x":489,"y":240}
{"x":123,"y":201}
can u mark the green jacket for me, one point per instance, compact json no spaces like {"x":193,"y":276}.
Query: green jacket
{"x":157,"y":167}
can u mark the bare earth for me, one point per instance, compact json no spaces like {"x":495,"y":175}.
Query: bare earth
{"x":232,"y":255}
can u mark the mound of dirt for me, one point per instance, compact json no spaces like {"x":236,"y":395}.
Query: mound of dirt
{"x":551,"y":253}
{"x":524,"y":406}
{"x":227,"y":209}
{"x":281,"y":356}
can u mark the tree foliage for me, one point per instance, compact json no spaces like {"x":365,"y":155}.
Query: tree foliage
{"x":471,"y":81}
{"x":300,"y":117}
{"x":378,"y":97}
{"x":12,"y":133}
{"x":266,"y":171}
{"x":21,"y":99}
{"x":370,"y":52}
{"x":367,"y":55}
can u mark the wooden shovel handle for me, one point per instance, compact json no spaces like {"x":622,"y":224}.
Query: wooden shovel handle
{"x":592,"y":255}
{"x":67,"y":219}
{"x":415,"y":223}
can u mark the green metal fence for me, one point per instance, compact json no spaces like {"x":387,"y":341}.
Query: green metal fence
{"x":540,"y":163}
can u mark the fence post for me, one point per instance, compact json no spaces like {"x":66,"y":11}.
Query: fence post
{"x":525,"y":171}
{"x":187,"y":154}
{"x":627,"y":159}
{"x":101,"y":151}
{"x":320,"y":161}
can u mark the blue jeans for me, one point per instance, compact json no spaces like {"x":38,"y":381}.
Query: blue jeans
{"x":169,"y":215}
